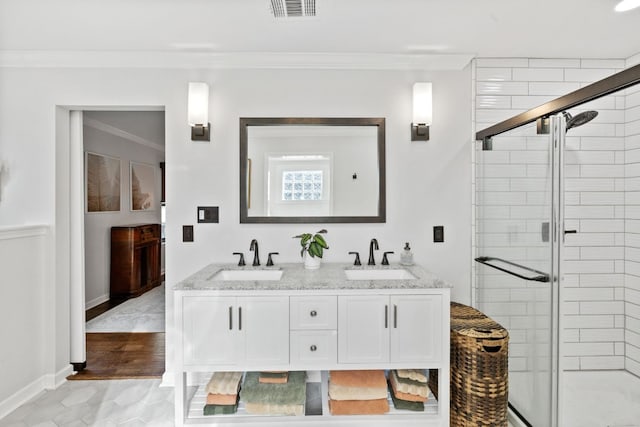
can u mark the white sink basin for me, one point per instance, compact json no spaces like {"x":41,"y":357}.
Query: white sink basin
{"x":388,"y":274}
{"x":247,"y":275}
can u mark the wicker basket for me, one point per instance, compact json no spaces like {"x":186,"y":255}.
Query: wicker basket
{"x":479,"y":369}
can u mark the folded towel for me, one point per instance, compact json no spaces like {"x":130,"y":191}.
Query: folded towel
{"x":220,"y":409}
{"x":272,"y":409}
{"x":359,"y":407}
{"x":371,"y":378}
{"x":291,"y":393}
{"x":274,"y":377}
{"x":224,"y":383}
{"x":222,"y":399}
{"x":405,"y":385}
{"x":406,"y":396}
{"x":413,"y":374}
{"x":400,"y":403}
{"x":340,"y":392}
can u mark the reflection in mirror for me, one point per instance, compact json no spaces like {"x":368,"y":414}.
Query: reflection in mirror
{"x":312,"y":170}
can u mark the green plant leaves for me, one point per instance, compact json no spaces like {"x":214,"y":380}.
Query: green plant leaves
{"x":314,"y":244}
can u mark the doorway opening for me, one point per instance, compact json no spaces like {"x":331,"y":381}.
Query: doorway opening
{"x":122,"y":299}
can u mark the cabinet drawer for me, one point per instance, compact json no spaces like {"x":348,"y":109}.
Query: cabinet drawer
{"x":319,"y":312}
{"x":313,"y":347}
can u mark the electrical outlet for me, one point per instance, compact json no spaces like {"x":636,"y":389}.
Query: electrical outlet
{"x":438,"y":233}
{"x":187,"y":233}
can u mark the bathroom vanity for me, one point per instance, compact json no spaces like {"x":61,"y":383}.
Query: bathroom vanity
{"x":286,"y":318}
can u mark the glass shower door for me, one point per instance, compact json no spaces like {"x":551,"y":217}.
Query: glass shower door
{"x":517,"y":211}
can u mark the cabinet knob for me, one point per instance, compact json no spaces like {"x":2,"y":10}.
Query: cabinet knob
{"x":313,"y":347}
{"x":313,"y":313}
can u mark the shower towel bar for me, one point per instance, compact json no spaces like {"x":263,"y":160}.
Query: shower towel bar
{"x":540,"y":276}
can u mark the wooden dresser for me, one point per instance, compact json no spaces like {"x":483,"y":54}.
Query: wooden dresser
{"x":135,"y":259}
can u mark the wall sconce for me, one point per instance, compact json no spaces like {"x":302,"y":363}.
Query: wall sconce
{"x":422,"y":111}
{"x":198,"y":111}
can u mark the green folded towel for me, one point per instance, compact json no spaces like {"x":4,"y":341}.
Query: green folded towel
{"x":405,"y":404}
{"x":220,"y":409}
{"x":291,"y":393}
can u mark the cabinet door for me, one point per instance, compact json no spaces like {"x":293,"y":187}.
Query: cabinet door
{"x":363,"y":329}
{"x":264,"y":326}
{"x":416,"y":328}
{"x":209,"y":333}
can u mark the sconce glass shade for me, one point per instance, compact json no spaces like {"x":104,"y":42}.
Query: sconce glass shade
{"x":198,"y":111}
{"x":422,"y":105}
{"x":422,"y":111}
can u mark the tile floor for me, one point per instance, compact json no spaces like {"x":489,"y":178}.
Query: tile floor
{"x":98,"y":403}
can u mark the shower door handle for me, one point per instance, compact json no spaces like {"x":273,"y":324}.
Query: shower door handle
{"x":570,"y":231}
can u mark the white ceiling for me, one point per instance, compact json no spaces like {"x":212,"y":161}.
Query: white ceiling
{"x":142,"y":127}
{"x":486,"y":28}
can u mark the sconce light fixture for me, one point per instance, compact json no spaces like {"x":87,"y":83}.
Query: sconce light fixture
{"x":422,"y":111}
{"x":198,"y":111}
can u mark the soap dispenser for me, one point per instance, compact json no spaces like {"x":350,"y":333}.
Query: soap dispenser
{"x":406,"y":256}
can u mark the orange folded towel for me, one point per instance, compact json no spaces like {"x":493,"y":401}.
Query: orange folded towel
{"x":222,"y":399}
{"x":369,"y":379}
{"x":359,"y":407}
{"x":273,"y":377}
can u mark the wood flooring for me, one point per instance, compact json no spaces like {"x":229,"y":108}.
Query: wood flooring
{"x":123,"y":355}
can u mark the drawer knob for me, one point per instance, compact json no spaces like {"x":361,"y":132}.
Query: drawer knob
{"x":313,"y":313}
{"x":313,"y":347}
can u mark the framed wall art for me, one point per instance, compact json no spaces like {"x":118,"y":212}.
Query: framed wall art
{"x":143,"y":184}
{"x":102,"y":183}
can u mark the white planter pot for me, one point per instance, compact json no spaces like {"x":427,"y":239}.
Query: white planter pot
{"x":311,"y":263}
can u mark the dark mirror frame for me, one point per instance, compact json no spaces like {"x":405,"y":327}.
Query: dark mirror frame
{"x":245,"y":122}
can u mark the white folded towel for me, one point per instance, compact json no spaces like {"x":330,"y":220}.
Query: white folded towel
{"x":224,"y":383}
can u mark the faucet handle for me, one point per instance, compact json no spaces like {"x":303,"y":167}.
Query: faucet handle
{"x":385,"y":260}
{"x":241,"y":261}
{"x":357,"y":260}
{"x":269,"y":260}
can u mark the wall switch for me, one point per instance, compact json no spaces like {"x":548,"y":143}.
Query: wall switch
{"x":438,"y":233}
{"x":208,"y":214}
{"x":187,"y":233}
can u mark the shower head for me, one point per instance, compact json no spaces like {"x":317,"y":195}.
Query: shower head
{"x":580,"y":119}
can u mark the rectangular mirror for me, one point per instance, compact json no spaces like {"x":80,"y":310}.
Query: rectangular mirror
{"x":312,"y":170}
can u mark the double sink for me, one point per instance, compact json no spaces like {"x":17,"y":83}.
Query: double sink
{"x":351,"y":274}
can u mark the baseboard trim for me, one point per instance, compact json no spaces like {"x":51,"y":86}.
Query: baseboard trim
{"x":33,"y":389}
{"x":168,"y":379}
{"x":96,"y":301}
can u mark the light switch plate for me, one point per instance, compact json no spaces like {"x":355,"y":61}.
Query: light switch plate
{"x":438,"y":233}
{"x":208,"y":214}
{"x":187,"y":233}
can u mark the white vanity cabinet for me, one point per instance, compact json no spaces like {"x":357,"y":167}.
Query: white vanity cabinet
{"x":397,"y":328}
{"x":235,"y":331}
{"x":314,"y":321}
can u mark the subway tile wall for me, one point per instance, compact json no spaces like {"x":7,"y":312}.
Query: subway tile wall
{"x":511,"y":204}
{"x":632,"y":227}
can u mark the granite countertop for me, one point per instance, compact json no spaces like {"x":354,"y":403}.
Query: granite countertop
{"x":296,"y":277}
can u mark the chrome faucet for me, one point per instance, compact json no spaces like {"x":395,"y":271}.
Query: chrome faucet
{"x":373,"y":245}
{"x":256,"y":257}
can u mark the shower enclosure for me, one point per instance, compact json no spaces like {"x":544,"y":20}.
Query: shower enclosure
{"x":556,"y":216}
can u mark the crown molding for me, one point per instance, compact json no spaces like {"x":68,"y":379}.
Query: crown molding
{"x":97,"y":124}
{"x":248,"y":60}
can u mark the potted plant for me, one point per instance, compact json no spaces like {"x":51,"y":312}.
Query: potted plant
{"x":313,"y":246}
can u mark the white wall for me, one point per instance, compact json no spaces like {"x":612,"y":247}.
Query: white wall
{"x":98,"y":224}
{"x":23,"y":352}
{"x":428,"y":183}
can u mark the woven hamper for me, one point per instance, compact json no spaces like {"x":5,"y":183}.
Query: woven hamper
{"x":479,"y":369}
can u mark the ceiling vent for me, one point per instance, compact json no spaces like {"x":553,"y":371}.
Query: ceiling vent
{"x":293,"y":8}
